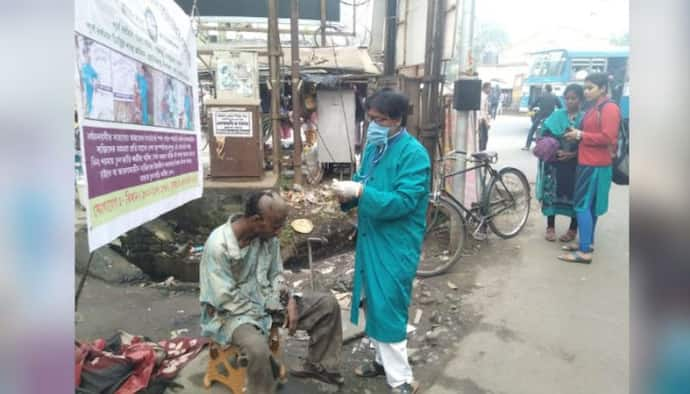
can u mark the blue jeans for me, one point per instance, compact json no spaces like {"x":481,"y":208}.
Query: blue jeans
{"x":587,"y":222}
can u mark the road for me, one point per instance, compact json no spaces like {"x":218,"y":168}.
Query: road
{"x":544,"y":326}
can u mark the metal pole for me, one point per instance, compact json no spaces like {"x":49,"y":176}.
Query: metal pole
{"x":391,"y":32}
{"x":296,"y":99}
{"x":431,"y":105}
{"x":274,"y":53}
{"x":82,"y":281}
{"x":463,"y":37}
{"x":323,"y":23}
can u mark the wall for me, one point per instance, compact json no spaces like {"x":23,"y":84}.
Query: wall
{"x":411,"y":38}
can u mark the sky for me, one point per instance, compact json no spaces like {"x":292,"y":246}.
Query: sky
{"x":522,"y":18}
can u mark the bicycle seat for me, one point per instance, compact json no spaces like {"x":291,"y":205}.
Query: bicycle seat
{"x":485,"y":155}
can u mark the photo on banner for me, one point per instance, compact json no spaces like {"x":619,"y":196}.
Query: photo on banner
{"x":136,"y":101}
{"x":95,"y":70}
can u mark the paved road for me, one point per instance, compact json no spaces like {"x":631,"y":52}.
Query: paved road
{"x":546,"y":326}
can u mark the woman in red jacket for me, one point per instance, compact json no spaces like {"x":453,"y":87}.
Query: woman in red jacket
{"x":597,"y":141}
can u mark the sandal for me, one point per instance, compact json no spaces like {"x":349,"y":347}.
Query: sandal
{"x":574,"y":247}
{"x":575,"y":257}
{"x":569,"y":236}
{"x":309,"y":370}
{"x":407,"y":388}
{"x":550,"y":234}
{"x":370,"y":370}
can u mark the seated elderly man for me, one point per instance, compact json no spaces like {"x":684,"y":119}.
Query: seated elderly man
{"x":242,"y":284}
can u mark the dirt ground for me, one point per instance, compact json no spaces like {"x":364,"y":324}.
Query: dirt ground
{"x":159,"y":310}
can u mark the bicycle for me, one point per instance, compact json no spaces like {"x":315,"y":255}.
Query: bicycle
{"x":505,"y":195}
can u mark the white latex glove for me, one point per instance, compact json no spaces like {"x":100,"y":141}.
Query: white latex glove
{"x":347,"y":189}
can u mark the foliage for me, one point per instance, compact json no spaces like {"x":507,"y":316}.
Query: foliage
{"x":621,"y":40}
{"x":489,"y":37}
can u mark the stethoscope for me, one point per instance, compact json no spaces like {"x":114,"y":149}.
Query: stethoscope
{"x":380,"y":152}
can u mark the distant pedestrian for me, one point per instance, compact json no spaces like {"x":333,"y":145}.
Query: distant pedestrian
{"x":501,"y":103}
{"x":598,"y":138}
{"x":494,"y":101}
{"x":484,"y":116}
{"x":546,"y":104}
{"x":556,"y":180}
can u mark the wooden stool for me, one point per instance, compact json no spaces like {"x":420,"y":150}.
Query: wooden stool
{"x":228,"y":367}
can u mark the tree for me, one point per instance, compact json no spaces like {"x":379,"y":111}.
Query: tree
{"x":622,"y":40}
{"x":489,"y":38}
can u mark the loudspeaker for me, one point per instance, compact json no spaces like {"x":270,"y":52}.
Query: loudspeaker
{"x":467,"y":95}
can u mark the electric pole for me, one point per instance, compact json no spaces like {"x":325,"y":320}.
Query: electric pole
{"x":463,"y":126}
{"x":296,"y":98}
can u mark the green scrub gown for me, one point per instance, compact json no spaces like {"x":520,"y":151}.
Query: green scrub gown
{"x":391,"y":223}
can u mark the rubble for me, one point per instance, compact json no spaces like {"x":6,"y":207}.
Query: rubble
{"x":432,"y":337}
{"x":436,"y":318}
{"x":414,"y":356}
{"x":417,"y":317}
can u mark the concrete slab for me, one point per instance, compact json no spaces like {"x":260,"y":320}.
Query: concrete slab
{"x":350,"y":331}
{"x":269,"y":181}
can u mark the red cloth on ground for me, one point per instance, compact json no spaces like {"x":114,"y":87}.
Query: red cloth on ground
{"x":148,"y":361}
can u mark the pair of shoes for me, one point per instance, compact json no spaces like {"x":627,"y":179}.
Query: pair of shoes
{"x":370,"y":370}
{"x":406,"y":388}
{"x":569,"y":236}
{"x":575,"y":257}
{"x":550,"y":234}
{"x":309,"y":370}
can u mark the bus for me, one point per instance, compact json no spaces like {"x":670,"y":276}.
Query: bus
{"x":560,"y":67}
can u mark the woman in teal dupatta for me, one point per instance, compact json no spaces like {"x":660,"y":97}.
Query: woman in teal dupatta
{"x":556,"y":180}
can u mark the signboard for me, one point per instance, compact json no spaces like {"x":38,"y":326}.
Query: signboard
{"x":136,"y":91}
{"x":232,"y":124}
{"x":308,"y":9}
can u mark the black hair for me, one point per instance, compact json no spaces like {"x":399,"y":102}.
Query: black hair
{"x":548,"y":88}
{"x":599,"y":79}
{"x":251,"y":207}
{"x":575,"y":88}
{"x":390,"y":103}
{"x":486,"y":85}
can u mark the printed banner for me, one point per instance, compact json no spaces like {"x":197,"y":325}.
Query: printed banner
{"x":137,"y":94}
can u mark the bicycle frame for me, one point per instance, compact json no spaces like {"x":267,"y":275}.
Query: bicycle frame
{"x":477,"y":217}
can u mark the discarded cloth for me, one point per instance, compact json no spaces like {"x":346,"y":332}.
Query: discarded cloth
{"x":127,"y":364}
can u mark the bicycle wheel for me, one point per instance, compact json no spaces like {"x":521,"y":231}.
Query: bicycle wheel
{"x":443,"y":239}
{"x":507,"y":202}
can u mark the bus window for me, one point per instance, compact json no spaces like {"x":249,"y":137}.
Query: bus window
{"x":582,"y":67}
{"x":548,"y":64}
